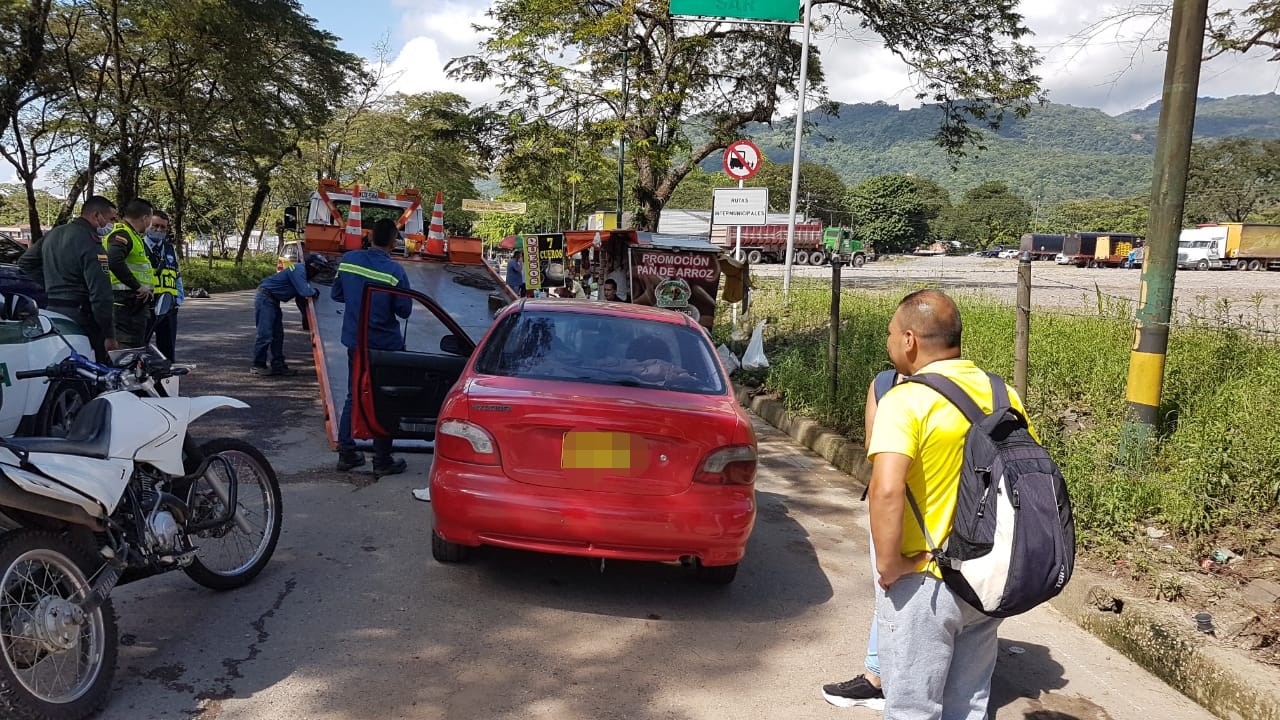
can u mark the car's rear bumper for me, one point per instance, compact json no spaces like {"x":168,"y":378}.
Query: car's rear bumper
{"x":476,"y":505}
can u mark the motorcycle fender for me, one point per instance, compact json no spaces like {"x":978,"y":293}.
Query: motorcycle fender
{"x":166,"y":452}
{"x":100,"y":480}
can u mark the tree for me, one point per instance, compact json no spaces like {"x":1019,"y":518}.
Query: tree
{"x":24,"y":26}
{"x":820,"y":192}
{"x":1231,"y":178}
{"x":1129,"y":215}
{"x":695,"y":86}
{"x":990,"y":214}
{"x":887,"y":211}
{"x":934,"y":199}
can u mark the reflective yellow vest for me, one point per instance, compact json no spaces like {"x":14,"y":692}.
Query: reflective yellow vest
{"x":165,"y":263}
{"x":137,"y":260}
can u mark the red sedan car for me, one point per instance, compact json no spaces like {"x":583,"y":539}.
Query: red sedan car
{"x":602,"y":430}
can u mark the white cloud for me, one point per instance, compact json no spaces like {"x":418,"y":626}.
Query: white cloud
{"x":1113,"y":67}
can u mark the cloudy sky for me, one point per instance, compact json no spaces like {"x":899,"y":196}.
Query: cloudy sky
{"x":1115,"y":68}
{"x":1111,"y":68}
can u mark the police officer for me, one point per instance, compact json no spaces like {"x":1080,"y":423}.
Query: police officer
{"x":164,"y":260}
{"x":68,"y":261}
{"x":133,"y":279}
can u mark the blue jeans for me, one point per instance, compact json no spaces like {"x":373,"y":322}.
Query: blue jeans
{"x":270,"y":340}
{"x":872,"y":662}
{"x":347,"y":443}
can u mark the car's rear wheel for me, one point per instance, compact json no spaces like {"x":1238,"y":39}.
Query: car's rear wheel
{"x":717,"y":574}
{"x":446,"y":552}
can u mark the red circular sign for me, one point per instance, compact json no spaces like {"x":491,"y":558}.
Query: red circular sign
{"x":742,"y":160}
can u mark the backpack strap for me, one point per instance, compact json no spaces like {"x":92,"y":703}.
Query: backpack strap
{"x":999,"y":394}
{"x":947,"y":388}
{"x":915,"y":509}
{"x":884,"y":382}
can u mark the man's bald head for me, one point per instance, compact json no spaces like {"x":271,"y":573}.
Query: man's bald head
{"x":933,"y":318}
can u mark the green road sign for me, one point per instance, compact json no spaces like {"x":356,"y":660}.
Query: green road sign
{"x":774,"y":10}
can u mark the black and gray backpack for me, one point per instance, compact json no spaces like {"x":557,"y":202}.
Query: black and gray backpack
{"x":1013,"y":540}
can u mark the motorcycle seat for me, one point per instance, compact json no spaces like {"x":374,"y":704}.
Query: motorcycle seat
{"x":89,"y":436}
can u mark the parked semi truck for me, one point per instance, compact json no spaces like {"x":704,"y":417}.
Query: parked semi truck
{"x":1239,"y":246}
{"x":768,"y":243}
{"x":1041,"y":246}
{"x":841,"y":245}
{"x":1098,"y":249}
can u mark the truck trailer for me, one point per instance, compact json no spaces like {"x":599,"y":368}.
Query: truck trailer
{"x":1239,"y":246}
{"x":768,"y":243}
{"x":1093,"y":249}
{"x":1041,"y":246}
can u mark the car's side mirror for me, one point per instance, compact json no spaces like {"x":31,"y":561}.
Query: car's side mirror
{"x":19,"y":307}
{"x":34,"y":326}
{"x":450,"y":344}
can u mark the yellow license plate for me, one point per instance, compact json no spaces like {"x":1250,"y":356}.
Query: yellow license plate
{"x":596,"y":451}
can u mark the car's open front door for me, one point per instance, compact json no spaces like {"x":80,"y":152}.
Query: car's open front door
{"x":399,"y":392}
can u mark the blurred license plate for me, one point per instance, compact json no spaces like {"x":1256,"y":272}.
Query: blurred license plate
{"x":596,"y":451}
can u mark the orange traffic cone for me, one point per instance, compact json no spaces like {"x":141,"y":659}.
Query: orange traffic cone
{"x":437,"y":242}
{"x":353,"y":238}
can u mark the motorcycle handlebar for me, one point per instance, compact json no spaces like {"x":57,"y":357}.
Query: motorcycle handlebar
{"x":28,"y":374}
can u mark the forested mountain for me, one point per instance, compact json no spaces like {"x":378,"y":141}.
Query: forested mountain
{"x":1059,"y":152}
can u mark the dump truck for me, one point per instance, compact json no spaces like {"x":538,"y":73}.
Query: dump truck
{"x":840,"y":245}
{"x":1041,"y":246}
{"x":768,"y":243}
{"x":1093,"y":249}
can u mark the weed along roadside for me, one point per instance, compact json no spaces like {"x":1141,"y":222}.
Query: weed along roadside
{"x":1195,"y":530}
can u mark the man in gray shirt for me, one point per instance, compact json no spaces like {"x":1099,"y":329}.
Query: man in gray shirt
{"x":70,"y":261}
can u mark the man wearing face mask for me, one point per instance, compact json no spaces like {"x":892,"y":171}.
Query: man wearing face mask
{"x":133,"y":279}
{"x":69,"y":261}
{"x":164,"y":260}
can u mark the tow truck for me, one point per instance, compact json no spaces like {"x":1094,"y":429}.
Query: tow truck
{"x":456,"y":295}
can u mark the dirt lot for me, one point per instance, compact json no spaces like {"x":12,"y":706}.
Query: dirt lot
{"x":1065,"y":288}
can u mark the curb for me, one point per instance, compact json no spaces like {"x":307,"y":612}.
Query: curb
{"x":1224,"y":682}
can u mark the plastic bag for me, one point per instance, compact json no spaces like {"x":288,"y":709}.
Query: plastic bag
{"x":728,"y":358}
{"x":754,"y":358}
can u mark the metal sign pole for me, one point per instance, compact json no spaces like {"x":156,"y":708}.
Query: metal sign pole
{"x":795,"y":155}
{"x":737,"y":255}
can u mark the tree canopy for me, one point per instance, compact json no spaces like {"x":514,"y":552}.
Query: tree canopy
{"x":693,"y":86}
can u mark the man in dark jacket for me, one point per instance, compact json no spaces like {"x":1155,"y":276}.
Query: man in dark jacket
{"x":69,"y":261}
{"x":360,"y":268}
{"x":164,"y":259}
{"x":290,"y":283}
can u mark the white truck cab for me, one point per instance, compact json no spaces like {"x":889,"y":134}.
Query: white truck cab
{"x":1202,"y":248}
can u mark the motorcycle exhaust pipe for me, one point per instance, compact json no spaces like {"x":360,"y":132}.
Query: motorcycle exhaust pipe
{"x":12,"y":496}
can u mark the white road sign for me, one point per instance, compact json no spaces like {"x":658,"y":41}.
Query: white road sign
{"x":740,"y":206}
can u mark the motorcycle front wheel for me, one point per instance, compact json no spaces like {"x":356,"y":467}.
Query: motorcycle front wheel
{"x":56,"y":660}
{"x":230,"y":556}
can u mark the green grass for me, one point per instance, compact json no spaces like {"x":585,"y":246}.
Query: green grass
{"x":1213,"y":474}
{"x":226,"y":275}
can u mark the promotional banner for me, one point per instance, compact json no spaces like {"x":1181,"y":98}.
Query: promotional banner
{"x":683,"y":281}
{"x":544,"y":265}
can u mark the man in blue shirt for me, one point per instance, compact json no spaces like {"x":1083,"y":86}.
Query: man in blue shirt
{"x":288,"y":284}
{"x":359,"y":268}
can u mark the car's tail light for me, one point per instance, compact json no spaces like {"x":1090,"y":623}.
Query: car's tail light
{"x":466,"y":442}
{"x":735,"y":465}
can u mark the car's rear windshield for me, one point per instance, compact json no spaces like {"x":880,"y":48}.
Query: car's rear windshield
{"x":602,"y":349}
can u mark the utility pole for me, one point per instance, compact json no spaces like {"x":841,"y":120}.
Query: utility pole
{"x":622,"y":136}
{"x":795,"y":153}
{"x":1168,"y":193}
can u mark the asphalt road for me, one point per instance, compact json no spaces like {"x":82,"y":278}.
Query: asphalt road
{"x":353,"y":619}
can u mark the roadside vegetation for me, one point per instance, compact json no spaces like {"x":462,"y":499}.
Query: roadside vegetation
{"x":1211,"y":480}
{"x":219,"y":275}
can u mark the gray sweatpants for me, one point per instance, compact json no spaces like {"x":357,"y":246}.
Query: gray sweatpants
{"x":937,"y":653}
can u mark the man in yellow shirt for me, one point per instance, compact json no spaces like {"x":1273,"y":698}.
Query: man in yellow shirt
{"x":918,"y":443}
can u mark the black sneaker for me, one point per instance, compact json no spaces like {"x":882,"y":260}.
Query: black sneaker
{"x":392,"y":466}
{"x":858,"y":692}
{"x":350,"y":460}
{"x":280,"y":372}
{"x":259,"y":369}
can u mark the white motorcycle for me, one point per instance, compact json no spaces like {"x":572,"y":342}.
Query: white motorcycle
{"x":126,"y":495}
